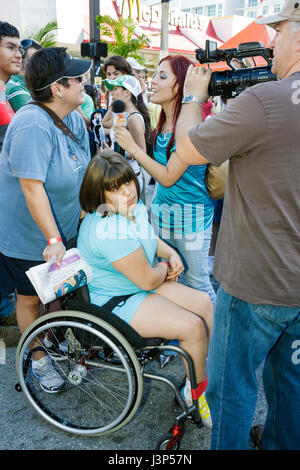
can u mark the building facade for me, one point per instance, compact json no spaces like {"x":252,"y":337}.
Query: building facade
{"x":191,"y":22}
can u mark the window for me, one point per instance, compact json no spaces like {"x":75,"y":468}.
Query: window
{"x":252,"y":14}
{"x":252,"y":3}
{"x":277,"y":8}
{"x":220,"y":9}
{"x":211,"y":10}
{"x":198,"y":11}
{"x":265,"y":10}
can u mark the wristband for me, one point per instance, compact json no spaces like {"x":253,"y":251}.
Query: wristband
{"x":166,"y":262}
{"x":51,"y":241}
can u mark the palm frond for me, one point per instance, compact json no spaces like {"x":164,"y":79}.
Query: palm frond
{"x":45,"y":35}
{"x":122,"y":33}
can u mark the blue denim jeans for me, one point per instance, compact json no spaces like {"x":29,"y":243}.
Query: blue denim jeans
{"x":193,"y":249}
{"x":6,"y":307}
{"x":244,"y":336}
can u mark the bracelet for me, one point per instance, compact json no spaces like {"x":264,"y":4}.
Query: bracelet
{"x":51,"y":241}
{"x":166,"y":262}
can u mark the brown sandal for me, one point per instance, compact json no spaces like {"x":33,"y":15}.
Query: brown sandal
{"x":256,"y":435}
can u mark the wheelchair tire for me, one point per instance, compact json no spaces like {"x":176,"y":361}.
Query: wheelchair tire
{"x":106,"y":392}
{"x":165,"y":443}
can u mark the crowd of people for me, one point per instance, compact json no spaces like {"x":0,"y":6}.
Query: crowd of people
{"x":136,"y":199}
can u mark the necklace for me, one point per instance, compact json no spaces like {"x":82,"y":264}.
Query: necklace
{"x":167,"y":131}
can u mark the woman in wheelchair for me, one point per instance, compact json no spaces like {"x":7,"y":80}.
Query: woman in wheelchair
{"x":118,"y":242}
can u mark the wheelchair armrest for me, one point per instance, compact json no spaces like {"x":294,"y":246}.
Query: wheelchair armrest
{"x":83,"y":294}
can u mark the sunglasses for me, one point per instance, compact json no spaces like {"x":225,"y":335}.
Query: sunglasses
{"x":26,"y":43}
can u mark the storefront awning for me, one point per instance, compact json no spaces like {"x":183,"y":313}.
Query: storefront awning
{"x":180,"y":40}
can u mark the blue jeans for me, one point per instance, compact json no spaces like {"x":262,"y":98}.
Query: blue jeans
{"x":244,"y":335}
{"x":193,"y":249}
{"x":6,"y":307}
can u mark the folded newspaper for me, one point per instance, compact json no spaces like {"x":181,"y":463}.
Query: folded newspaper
{"x":51,"y":281}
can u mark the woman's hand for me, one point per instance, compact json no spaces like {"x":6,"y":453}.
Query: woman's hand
{"x":125,"y":140}
{"x":197,"y":81}
{"x":176,"y":267}
{"x":56,"y":250}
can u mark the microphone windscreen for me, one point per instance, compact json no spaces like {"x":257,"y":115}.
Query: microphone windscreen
{"x":118,"y":106}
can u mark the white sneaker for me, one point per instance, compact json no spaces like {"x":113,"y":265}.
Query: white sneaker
{"x":57,"y":354}
{"x":50,"y":380}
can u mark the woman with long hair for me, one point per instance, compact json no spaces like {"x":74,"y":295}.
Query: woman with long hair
{"x":182,"y":210}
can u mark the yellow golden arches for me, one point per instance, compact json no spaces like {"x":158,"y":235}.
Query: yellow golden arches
{"x":131,"y":4}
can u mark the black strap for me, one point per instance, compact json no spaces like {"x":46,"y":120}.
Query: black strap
{"x":115,"y":301}
{"x":57,"y":121}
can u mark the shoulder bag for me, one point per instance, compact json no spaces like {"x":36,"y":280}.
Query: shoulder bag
{"x":215,"y":179}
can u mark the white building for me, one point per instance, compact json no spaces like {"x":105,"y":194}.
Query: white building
{"x":255,"y":8}
{"x":216,"y":8}
{"x":188,"y":30}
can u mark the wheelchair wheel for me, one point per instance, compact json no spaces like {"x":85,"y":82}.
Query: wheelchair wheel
{"x":103,"y":382}
{"x":167,"y":442}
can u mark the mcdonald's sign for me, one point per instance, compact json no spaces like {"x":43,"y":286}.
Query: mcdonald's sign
{"x":131,"y":4}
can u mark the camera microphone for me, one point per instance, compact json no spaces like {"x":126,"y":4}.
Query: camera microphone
{"x":119,"y":115}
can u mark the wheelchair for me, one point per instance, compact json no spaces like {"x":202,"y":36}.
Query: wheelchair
{"x":103,"y":361}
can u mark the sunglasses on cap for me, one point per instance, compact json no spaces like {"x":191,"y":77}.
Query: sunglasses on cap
{"x":26,"y":43}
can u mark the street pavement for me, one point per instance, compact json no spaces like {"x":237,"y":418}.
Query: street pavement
{"x":21,"y":428}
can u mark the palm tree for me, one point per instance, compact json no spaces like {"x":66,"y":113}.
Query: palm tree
{"x":123,"y":34}
{"x":45,"y":36}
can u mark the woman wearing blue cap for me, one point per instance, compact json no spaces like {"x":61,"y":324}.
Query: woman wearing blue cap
{"x":44,"y":157}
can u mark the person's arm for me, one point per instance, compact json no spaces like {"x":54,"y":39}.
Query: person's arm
{"x":108,"y":120}
{"x":166,"y":175}
{"x":138,"y":270}
{"x":40,"y":210}
{"x":137,"y":130}
{"x":196,"y":83}
{"x":166,"y":252}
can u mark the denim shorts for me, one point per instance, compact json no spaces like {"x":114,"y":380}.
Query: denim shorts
{"x":13,"y":275}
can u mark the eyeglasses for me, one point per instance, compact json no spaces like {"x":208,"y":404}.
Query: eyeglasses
{"x":14,"y":49}
{"x":26,"y":43}
{"x":79,"y":79}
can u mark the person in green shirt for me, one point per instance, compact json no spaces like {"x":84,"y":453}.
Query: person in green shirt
{"x":16,"y":90}
{"x":88,"y":107}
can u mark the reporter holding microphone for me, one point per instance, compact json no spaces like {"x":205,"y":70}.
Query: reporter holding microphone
{"x":42,"y":165}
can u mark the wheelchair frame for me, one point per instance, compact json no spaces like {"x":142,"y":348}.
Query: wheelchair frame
{"x":101,"y":351}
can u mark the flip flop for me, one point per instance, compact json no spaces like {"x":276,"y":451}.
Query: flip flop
{"x":256,"y":435}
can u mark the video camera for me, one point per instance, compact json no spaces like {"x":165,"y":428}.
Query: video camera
{"x":230,"y":83}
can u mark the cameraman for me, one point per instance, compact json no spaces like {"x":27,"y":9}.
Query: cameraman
{"x":257,"y":260}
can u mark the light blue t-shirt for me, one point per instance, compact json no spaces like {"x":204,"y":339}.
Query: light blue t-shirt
{"x":186,"y":206}
{"x":34,"y":148}
{"x":104,"y":240}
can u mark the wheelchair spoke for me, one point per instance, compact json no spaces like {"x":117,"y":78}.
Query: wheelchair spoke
{"x":97,"y":394}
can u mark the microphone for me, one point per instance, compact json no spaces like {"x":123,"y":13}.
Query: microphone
{"x":119,"y":115}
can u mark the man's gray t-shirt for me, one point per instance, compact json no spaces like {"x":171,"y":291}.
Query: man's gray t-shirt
{"x":34,"y":148}
{"x":257,"y":257}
